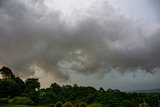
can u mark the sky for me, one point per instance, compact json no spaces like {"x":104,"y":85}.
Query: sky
{"x":100,"y":43}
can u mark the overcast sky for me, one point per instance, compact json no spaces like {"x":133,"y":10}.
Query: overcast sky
{"x":102,"y":43}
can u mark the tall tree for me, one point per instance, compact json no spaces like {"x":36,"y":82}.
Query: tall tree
{"x":6,"y":73}
{"x":32,"y":84}
{"x":21,"y":85}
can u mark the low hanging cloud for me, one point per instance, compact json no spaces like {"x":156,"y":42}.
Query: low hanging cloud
{"x":35,"y":38}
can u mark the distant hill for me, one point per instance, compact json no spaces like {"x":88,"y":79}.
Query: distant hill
{"x":147,"y":91}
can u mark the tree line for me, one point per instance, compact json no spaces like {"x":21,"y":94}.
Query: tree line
{"x":13,"y":90}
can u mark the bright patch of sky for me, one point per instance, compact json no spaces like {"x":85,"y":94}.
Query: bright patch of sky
{"x":135,"y":9}
{"x":138,"y":9}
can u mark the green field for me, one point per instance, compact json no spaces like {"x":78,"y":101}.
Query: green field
{"x":20,"y":106}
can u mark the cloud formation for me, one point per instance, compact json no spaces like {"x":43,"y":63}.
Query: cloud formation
{"x":156,"y":4}
{"x":101,"y":39}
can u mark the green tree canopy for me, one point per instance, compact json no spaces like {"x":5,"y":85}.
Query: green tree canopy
{"x":32,"y":84}
{"x":8,"y":88}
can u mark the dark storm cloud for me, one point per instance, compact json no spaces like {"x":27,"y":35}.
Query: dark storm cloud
{"x":2,"y":2}
{"x":33,"y":35}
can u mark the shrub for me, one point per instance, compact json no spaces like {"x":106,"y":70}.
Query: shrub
{"x":96,"y":105}
{"x":4,"y":101}
{"x":144,"y":105}
{"x":67,"y":104}
{"x":58,"y":104}
{"x":21,"y":100}
{"x":76,"y":105}
{"x":52,"y":105}
{"x":82,"y":105}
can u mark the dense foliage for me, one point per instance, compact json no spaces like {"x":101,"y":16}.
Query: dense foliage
{"x":21,"y":100}
{"x":13,"y":90}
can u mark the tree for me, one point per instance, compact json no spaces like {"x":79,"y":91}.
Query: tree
{"x":32,"y":84}
{"x":21,"y":85}
{"x":55,"y":88}
{"x":101,"y":90}
{"x":8,"y":88}
{"x":6,"y":73}
{"x":47,"y":97}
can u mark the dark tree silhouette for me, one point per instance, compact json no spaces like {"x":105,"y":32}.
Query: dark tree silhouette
{"x":6,"y":73}
{"x":8,"y":88}
{"x":20,"y":91}
{"x":32,"y":84}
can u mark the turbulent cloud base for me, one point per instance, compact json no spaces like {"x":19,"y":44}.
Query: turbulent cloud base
{"x":38,"y":40}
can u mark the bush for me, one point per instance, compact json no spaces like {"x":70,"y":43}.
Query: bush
{"x":58,"y":104}
{"x":96,"y":105}
{"x":52,"y":105}
{"x":82,"y":105}
{"x":76,"y":105}
{"x":4,"y":101}
{"x":144,"y":105}
{"x":67,"y":104}
{"x":21,"y":100}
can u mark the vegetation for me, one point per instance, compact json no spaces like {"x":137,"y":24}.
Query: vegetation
{"x":59,"y":104}
{"x":13,"y":90}
{"x":67,"y":104}
{"x":21,"y":106}
{"x":21,"y":101}
{"x":82,"y":105}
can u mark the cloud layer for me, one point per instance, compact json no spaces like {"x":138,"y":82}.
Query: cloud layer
{"x":156,"y":4}
{"x":33,"y":36}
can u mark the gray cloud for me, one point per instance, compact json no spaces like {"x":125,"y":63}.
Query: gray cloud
{"x":100,"y":41}
{"x":156,"y":6}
